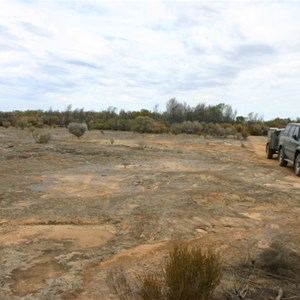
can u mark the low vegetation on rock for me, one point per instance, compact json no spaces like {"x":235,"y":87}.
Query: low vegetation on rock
{"x":41,"y":137}
{"x":187,"y":273}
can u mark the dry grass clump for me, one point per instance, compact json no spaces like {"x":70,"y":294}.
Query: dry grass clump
{"x":119,"y":284}
{"x":191,"y":273}
{"x":279,"y":260}
{"x":187,"y":274}
{"x":141,"y":145}
{"x":151,"y":287}
{"x":272,"y":273}
{"x":41,"y":137}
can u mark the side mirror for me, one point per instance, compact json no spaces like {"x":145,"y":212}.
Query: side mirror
{"x":295,"y":137}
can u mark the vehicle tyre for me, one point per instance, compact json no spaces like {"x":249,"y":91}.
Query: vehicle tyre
{"x":282,"y":161}
{"x":297,"y":165}
{"x":269,"y":152}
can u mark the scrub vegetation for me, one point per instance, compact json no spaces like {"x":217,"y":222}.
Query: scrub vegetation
{"x":219,"y":120}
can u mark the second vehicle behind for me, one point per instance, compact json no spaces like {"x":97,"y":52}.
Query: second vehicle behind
{"x":289,"y":147}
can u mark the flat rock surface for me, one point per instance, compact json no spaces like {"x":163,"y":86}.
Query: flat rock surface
{"x":72,"y":209}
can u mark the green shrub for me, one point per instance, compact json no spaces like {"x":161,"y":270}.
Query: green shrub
{"x":143,"y":124}
{"x":190,"y":127}
{"x":239,"y":127}
{"x":96,"y":125}
{"x":41,"y":137}
{"x":77,"y":129}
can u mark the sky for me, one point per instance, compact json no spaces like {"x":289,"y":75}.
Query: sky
{"x":136,"y":55}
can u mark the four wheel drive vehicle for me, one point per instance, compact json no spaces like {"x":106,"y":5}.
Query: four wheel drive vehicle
{"x":289,"y":147}
{"x":273,"y":141}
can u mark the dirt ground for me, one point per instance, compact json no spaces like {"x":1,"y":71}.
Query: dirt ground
{"x":70,"y":210}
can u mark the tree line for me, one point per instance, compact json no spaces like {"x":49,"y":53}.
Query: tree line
{"x":217,"y":120}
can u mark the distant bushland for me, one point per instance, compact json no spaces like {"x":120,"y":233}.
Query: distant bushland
{"x":219,"y":120}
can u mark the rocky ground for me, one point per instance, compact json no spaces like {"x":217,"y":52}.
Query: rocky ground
{"x":70,"y":210}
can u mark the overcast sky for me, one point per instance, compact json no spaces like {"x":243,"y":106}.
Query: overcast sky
{"x":136,"y":54}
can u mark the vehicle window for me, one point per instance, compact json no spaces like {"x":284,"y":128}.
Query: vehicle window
{"x":291,"y":132}
{"x":296,"y":131}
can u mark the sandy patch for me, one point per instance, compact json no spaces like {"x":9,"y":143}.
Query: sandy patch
{"x":87,"y":236}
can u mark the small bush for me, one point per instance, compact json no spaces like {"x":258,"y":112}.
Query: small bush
{"x":190,"y":127}
{"x":188,"y":274}
{"x":159,"y":128}
{"x":191,"y":273}
{"x":98,"y":125}
{"x":258,"y":129}
{"x":242,"y":135}
{"x":41,"y":137}
{"x":176,"y":128}
{"x":77,"y":129}
{"x":22,"y":123}
{"x":6,"y":124}
{"x":143,"y":124}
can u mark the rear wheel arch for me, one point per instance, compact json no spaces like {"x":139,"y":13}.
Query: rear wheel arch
{"x":297,"y":163}
{"x":281,"y":157}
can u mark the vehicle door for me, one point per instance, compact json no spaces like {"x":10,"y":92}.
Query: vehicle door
{"x":284,"y":138}
{"x":292,"y":143}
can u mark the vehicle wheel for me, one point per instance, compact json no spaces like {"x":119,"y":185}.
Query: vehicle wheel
{"x":281,"y":156}
{"x":297,"y":165}
{"x":269,"y":152}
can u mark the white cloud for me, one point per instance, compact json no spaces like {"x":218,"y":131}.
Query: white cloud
{"x":135,"y":54}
